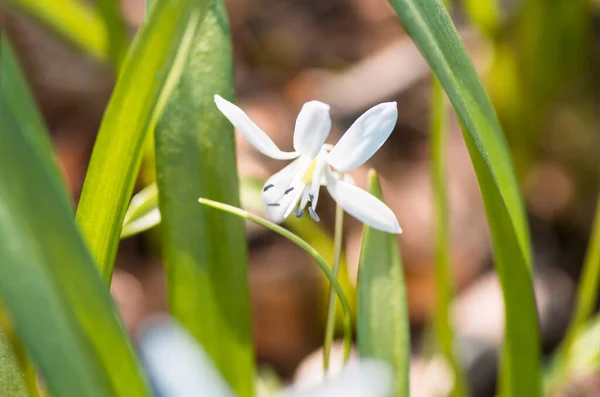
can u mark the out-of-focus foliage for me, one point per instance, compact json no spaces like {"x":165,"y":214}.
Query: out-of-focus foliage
{"x":49,"y":285}
{"x":205,"y":250}
{"x":152,"y":67}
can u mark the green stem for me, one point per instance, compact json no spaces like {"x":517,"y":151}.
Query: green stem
{"x":337,"y":254}
{"x":443,"y":279}
{"x":306,"y":247}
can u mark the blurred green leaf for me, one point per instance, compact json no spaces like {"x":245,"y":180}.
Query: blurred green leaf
{"x":110,"y":10}
{"x":205,"y":250}
{"x":151,"y":70}
{"x":382,"y":320}
{"x":49,"y":286}
{"x":444,"y":288}
{"x":77,"y":23}
{"x":430,"y":26}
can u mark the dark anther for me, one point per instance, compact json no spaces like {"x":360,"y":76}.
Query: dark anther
{"x":313,"y":214}
{"x":267,"y":187}
{"x":298,"y":213}
{"x":311,"y":197}
{"x":273,"y":205}
{"x":289,"y":190}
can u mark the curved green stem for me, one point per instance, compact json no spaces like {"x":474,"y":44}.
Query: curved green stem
{"x":306,"y":247}
{"x":337,"y":254}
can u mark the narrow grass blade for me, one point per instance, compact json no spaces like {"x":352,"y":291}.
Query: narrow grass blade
{"x":587,"y":298}
{"x":306,"y":247}
{"x":110,"y":10}
{"x":71,"y":19}
{"x":204,"y":250}
{"x":430,"y":26}
{"x":49,"y":285}
{"x":382,"y":319}
{"x":443,"y":272}
{"x":150,"y":71}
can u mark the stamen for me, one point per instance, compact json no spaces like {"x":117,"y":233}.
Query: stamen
{"x":313,"y":214}
{"x":289,"y":190}
{"x":298,"y":212}
{"x":312,"y":198}
{"x":268,"y":187}
{"x":273,"y":204}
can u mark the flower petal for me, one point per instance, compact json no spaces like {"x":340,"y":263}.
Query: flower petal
{"x":362,"y":205}
{"x":278,"y":204}
{"x":368,"y":377}
{"x":312,"y":128}
{"x":253,"y":134}
{"x":364,"y":137}
{"x":176,"y":364}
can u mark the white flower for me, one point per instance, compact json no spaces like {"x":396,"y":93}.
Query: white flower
{"x":178,"y":366}
{"x":297,"y":185}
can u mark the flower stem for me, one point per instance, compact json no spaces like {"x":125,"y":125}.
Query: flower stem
{"x":306,"y":247}
{"x":337,"y":254}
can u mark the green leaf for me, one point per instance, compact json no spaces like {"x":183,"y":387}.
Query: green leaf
{"x":78,"y":24}
{"x":205,"y":250}
{"x":12,"y":376}
{"x":49,"y":285}
{"x":444,"y":288}
{"x":382,"y":319}
{"x":430,"y":26}
{"x":152,"y":68}
{"x":110,"y":10}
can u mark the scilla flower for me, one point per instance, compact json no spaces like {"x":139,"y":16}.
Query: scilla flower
{"x":297,"y":186}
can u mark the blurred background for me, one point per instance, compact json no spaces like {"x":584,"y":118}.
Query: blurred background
{"x":539,"y":62}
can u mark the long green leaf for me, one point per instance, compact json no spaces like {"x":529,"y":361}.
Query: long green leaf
{"x":205,"y":250}
{"x":150,"y":71}
{"x":444,"y":288}
{"x":430,"y":26}
{"x":382,"y":319}
{"x":110,"y":10}
{"x":72,"y":20}
{"x":50,"y":287}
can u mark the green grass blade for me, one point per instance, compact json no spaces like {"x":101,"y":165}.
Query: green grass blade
{"x":443,"y":270}
{"x":382,"y":319}
{"x":110,"y":10}
{"x":49,"y":285}
{"x":71,"y":19}
{"x":430,"y":26}
{"x":151,"y":69}
{"x":205,"y":250}
{"x":17,"y":374}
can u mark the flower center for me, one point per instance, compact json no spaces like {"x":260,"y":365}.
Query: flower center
{"x":308,"y":175}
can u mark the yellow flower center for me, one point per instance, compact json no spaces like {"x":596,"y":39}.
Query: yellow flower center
{"x":308,"y":175}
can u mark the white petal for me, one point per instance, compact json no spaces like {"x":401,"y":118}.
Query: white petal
{"x":177,"y":364}
{"x":253,"y":134}
{"x":364,"y":137}
{"x":312,"y":128}
{"x":358,"y":379}
{"x":276,"y":186}
{"x":362,"y":205}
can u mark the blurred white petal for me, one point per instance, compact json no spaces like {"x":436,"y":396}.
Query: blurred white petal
{"x":362,"y":205}
{"x":312,"y":128}
{"x":177,"y":364}
{"x":358,"y":379}
{"x":364,"y":137}
{"x":253,"y":134}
